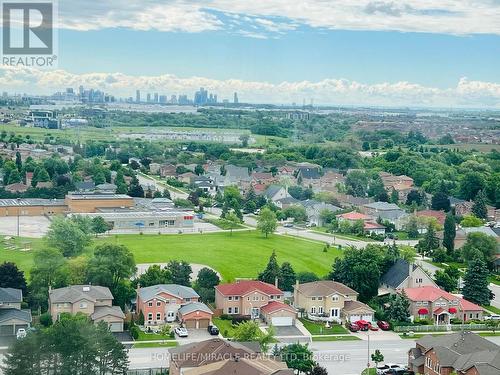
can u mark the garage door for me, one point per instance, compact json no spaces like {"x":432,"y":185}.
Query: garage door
{"x":190,"y":323}
{"x":281,"y":321}
{"x":203,"y":323}
{"x":116,"y":327}
{"x":368,"y":317}
{"x":354,"y":318}
{"x":6,"y":330}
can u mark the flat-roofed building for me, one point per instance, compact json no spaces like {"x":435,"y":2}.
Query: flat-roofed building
{"x":31,"y":207}
{"x":88,"y":203}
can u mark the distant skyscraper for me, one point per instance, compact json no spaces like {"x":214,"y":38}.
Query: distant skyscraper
{"x":235,"y":100}
{"x":148,"y":98}
{"x":138,"y":96}
{"x":156,"y":97}
{"x":173,"y":99}
{"x":201,"y":97}
{"x":163,"y":99}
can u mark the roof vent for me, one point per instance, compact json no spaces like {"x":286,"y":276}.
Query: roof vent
{"x":86,"y":288}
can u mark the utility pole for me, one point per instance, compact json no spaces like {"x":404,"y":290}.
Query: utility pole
{"x":368,"y":354}
{"x":18,"y":208}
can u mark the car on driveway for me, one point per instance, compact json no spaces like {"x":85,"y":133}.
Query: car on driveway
{"x":384,"y":326}
{"x":213,"y":330}
{"x":492,"y":317}
{"x":21,"y":333}
{"x":390,"y":368}
{"x":181,"y":332}
{"x":363,"y":325}
{"x":352,"y":327}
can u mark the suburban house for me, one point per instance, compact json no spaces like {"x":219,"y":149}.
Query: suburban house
{"x":314,"y":208}
{"x":374,"y":228}
{"x":402,"y":184}
{"x":440,"y":216}
{"x":274,"y":193}
{"x":165,"y":303}
{"x":197,"y":354}
{"x":430,"y":302}
{"x":287,"y":202}
{"x":255,"y":299}
{"x":168,"y":171}
{"x":331,"y":301}
{"x":12,"y":317}
{"x":386,"y":211}
{"x":309,"y":174}
{"x":402,"y":275}
{"x":462,"y":233}
{"x":463,"y":353}
{"x":94,"y":301}
{"x":353,"y":216}
{"x":259,"y":366}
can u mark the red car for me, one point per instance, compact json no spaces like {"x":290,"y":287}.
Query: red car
{"x":363,"y":325}
{"x":353,"y":327}
{"x":384,"y":326}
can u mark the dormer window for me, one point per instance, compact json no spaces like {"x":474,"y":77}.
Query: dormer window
{"x":335,"y":298}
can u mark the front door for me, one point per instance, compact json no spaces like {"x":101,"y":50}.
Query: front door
{"x":255,"y":312}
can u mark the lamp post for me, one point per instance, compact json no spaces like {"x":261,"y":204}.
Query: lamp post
{"x":368,"y":353}
{"x":18,"y":208}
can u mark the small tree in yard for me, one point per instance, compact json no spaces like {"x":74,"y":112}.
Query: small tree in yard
{"x":298,"y":357}
{"x":318,"y":370}
{"x":233,"y":220}
{"x":99,"y":225}
{"x":377,"y":357}
{"x":267,"y":222}
{"x":272,"y":271}
{"x":476,"y":282}
{"x":492,"y":324}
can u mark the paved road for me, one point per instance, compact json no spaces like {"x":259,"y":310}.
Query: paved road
{"x":496,"y":291}
{"x":174,"y":194}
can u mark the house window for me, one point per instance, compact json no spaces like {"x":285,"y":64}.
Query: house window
{"x":419,"y":303}
{"x":320,"y":310}
{"x":230,"y":298}
{"x":150,"y":316}
{"x":313,"y":298}
{"x":83,"y":305}
{"x":158,"y":304}
{"x":158,"y":316}
{"x":255,"y":298}
{"x":229,"y":310}
{"x":335,"y":298}
{"x":278,"y":297}
{"x":236,"y":310}
{"x":236,"y":298}
{"x":262,"y":298}
{"x":150,"y":304}
{"x":320,"y":298}
{"x":335,"y":313}
{"x":419,"y":281}
{"x":248,"y":298}
{"x":313,"y":310}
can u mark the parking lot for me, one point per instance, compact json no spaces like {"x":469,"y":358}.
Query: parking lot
{"x":29,"y":226}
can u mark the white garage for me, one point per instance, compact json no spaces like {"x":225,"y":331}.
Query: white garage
{"x":280,"y":321}
{"x":278,"y":314}
{"x":354,"y":318}
{"x":355,"y":310}
{"x":116,"y":326}
{"x":112,"y":315}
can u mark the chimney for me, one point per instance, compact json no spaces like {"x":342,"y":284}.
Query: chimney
{"x":297,"y":284}
{"x":276,"y":281}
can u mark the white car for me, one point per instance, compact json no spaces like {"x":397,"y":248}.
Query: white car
{"x":492,"y":317}
{"x":21,"y":333}
{"x":381,"y":370}
{"x":181,"y":332}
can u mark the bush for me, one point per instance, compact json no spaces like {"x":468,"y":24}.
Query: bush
{"x":134,"y":332}
{"x":46,"y":319}
{"x":225,"y":317}
{"x":456,"y":321}
{"x":140,"y":320}
{"x":239,"y":319}
{"x":423,"y":322}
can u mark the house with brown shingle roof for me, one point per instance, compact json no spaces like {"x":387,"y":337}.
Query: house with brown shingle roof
{"x":332,"y":301}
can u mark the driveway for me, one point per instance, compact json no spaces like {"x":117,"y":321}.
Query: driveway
{"x":194,"y":335}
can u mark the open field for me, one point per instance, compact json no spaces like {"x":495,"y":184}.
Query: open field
{"x":244,"y":254}
{"x":23,"y":259}
{"x":481,"y":147}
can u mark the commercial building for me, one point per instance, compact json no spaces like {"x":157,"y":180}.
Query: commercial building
{"x":32,"y":207}
{"x":88,"y":203}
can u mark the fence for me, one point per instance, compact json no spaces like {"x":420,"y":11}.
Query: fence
{"x":442,"y":328}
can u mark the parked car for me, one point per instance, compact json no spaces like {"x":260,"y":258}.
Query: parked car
{"x":398,"y":372}
{"x":352,"y":327}
{"x":373,"y":328}
{"x":288,"y":225}
{"x":383,"y":325}
{"x":492,"y":317}
{"x":213,"y":330}
{"x":21,"y":333}
{"x":181,"y":332}
{"x":390,"y":368}
{"x":363,"y":325}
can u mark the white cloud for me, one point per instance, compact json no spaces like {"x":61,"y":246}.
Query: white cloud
{"x":467,"y":93}
{"x":278,"y":16}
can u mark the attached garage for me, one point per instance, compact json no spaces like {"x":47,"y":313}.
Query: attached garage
{"x":6,"y":330}
{"x":280,"y":321}
{"x":113,"y":315}
{"x":354,"y":318}
{"x":11,"y":320}
{"x":195,"y":315}
{"x":355,"y":310}
{"x":279,"y":314}
{"x":116,"y":326}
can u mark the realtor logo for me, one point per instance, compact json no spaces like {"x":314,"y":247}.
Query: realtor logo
{"x":28,"y":33}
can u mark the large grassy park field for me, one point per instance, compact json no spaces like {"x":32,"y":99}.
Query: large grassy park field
{"x":242,"y":254}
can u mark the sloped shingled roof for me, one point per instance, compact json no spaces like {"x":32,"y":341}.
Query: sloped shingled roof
{"x":11,"y":295}
{"x":243,"y":287}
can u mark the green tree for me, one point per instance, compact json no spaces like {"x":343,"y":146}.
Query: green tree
{"x":233,"y":221}
{"x":298,"y":357}
{"x":449,"y":233}
{"x":399,"y":308}
{"x":469,"y":221}
{"x":307,"y":277}
{"x":181,"y":272}
{"x":14,"y":177}
{"x":110,"y":265}
{"x":412,"y":227}
{"x":318,"y":370}
{"x":440,"y":201}
{"x":479,"y":208}
{"x":492,"y":324}
{"x":67,"y":236}
{"x":445,"y":281}
{"x":272,"y":271}
{"x":99,"y":225}
{"x":250,"y":331}
{"x":377,"y":357}
{"x":154,"y":275}
{"x":394,"y":196}
{"x":430,"y":242}
{"x":479,"y":243}
{"x":267,"y":222}
{"x":135,"y":189}
{"x":476,"y":282}
{"x":12,"y":277}
{"x":198,"y":170}
{"x":205,"y":283}
{"x":471,"y":184}
{"x":287,"y":277}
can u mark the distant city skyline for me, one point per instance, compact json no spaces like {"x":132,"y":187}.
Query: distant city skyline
{"x":361,"y":52}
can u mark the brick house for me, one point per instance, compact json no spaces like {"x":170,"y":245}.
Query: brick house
{"x":463,"y":353}
{"x":165,"y":303}
{"x":430,"y":302}
{"x":251,"y":298}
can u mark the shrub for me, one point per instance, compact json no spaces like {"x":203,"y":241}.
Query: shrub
{"x":46,"y":319}
{"x":456,"y":321}
{"x":140,"y":320}
{"x":134,"y":332}
{"x":239,"y":319}
{"x":225,"y":317}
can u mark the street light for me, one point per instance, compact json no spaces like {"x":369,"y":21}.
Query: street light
{"x":18,"y":208}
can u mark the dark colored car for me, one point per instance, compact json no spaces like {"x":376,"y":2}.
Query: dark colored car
{"x":384,"y":326}
{"x":213,"y":330}
{"x":352,"y":327}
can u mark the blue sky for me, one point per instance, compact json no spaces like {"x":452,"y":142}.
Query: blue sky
{"x":375,"y":52}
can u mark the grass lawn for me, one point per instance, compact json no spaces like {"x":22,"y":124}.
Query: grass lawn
{"x":319,"y":328}
{"x":244,"y":254}
{"x":224,"y":224}
{"x":492,"y":309}
{"x":143,"y":336}
{"x":369,"y":371}
{"x":336,"y":338}
{"x":166,"y":344}
{"x":224,"y":325}
{"x":23,"y":259}
{"x":494,"y":279}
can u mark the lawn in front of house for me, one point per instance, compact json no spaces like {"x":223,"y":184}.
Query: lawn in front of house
{"x":336,"y":338}
{"x":240,"y":255}
{"x":226,"y":327}
{"x":165,"y":344}
{"x":318,"y":328}
{"x":145,"y":336}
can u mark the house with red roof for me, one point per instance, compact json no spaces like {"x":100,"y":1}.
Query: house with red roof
{"x":255,"y":299}
{"x":430,"y":302}
{"x":440,"y":216}
{"x":354,"y":216}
